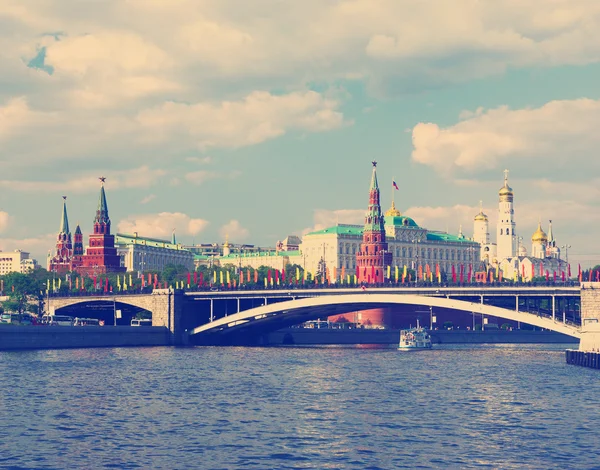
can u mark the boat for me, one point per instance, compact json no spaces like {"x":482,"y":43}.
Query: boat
{"x":414,"y":338}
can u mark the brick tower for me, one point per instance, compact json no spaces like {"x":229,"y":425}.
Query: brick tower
{"x":101,"y":255}
{"x":60,"y":263}
{"x":77,"y":249}
{"x":373,"y":258}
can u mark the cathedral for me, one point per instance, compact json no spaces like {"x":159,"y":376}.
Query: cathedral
{"x":508,"y":254}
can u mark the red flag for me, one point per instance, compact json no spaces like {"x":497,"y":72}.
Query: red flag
{"x":241,"y":277}
{"x":523,"y":272}
{"x":569,"y":270}
{"x":283,"y":275}
{"x":541,"y":268}
{"x":547,"y":275}
{"x":470,"y":273}
{"x":149,"y":278}
{"x":155,"y":280}
{"x":580,"y":275}
{"x":248,"y":275}
{"x":453,"y":274}
{"x":189,"y":279}
{"x":255,"y":276}
{"x":106,"y":285}
{"x":277,"y":276}
{"x":563,"y":276}
{"x":462,"y":274}
{"x":201,"y":279}
{"x":532,"y":271}
{"x":269,"y":277}
{"x":195,"y":277}
{"x":500,"y":275}
{"x":554,"y":276}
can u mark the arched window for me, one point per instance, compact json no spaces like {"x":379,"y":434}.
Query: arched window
{"x":501,"y":231}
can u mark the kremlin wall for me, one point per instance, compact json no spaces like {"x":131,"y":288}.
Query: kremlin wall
{"x":387,"y":248}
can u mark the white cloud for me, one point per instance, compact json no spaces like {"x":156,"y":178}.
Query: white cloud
{"x":4,"y":220}
{"x":444,"y":219}
{"x":558,"y":130}
{"x":37,"y":246}
{"x":161,"y":225}
{"x":142,"y":177}
{"x":324,"y":218}
{"x":258,"y":117}
{"x":234,"y":231}
{"x":148,"y":199}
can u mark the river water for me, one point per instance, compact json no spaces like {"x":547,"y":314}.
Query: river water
{"x":503,"y":406}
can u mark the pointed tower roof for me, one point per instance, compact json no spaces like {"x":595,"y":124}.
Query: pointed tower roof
{"x":102,"y":211}
{"x":374,"y":184}
{"x":481,"y":215}
{"x":78,"y":230}
{"x":64,"y":222}
{"x":173,"y":239}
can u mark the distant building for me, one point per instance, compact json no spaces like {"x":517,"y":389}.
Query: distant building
{"x":151,"y":254}
{"x":101,"y":254}
{"x":16,"y":262}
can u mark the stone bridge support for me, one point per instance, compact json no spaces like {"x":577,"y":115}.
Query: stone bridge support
{"x":166,"y":306}
{"x":590,"y":317}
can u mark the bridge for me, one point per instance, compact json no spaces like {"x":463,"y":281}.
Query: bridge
{"x":235,"y":315}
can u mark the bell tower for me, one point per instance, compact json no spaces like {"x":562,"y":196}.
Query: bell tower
{"x":505,"y":231}
{"x":373,"y":258}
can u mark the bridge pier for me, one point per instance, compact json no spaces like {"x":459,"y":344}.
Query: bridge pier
{"x":590,"y":317}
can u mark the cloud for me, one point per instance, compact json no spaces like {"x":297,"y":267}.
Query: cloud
{"x":4,"y":221}
{"x":260,"y":116}
{"x":445,"y":218}
{"x":234,"y":231}
{"x":142,"y":177}
{"x":148,"y":199}
{"x":199,"y":177}
{"x":37,"y":246}
{"x":488,"y":139}
{"x":324,"y":218}
{"x":161,"y":225}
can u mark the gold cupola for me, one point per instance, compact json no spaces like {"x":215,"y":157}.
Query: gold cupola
{"x":392,"y":211}
{"x":481,"y":216}
{"x":506,"y":192}
{"x":539,"y":235}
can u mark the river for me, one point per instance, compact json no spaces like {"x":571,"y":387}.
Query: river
{"x":476,"y":406}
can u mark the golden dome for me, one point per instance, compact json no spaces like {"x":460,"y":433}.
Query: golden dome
{"x":539,"y":235}
{"x":393,"y":212}
{"x":481,"y":216}
{"x":506,"y":190}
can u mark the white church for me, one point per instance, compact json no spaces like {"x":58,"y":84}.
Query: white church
{"x":508,"y":253}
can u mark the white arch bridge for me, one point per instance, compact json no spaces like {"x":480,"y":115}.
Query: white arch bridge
{"x":278,"y":315}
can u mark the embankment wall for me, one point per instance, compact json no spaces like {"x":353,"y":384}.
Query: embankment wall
{"x":57,"y":337}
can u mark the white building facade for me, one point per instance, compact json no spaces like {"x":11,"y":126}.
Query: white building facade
{"x":505,"y":231}
{"x":16,"y":262}
{"x":150,"y":254}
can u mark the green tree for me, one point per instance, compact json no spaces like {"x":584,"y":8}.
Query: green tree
{"x":21,"y":289}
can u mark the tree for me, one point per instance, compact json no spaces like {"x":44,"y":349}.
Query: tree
{"x":21,"y":289}
{"x":173,"y":273}
{"x":448,"y":325}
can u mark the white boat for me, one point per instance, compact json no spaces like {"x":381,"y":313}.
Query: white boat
{"x":415,"y":338}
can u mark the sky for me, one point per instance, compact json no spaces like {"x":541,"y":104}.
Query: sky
{"x":257,"y":120}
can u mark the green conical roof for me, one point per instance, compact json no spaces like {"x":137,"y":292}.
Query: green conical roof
{"x":64,"y":222}
{"x":173,"y":240}
{"x":374,"y":184}
{"x":102,"y":211}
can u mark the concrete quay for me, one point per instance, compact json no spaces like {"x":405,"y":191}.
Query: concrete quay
{"x":583,"y":358}
{"x":13,"y":338}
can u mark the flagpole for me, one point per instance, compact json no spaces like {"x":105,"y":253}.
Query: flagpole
{"x":393,"y":192}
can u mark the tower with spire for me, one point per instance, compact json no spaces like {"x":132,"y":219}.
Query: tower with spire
{"x":505,"y":235}
{"x":373,"y":258}
{"x":101,"y":254}
{"x":60,"y":261}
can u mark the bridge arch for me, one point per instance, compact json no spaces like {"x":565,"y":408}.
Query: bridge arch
{"x":272,"y":317}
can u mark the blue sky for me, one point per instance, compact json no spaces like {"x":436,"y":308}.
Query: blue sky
{"x":260,"y":120}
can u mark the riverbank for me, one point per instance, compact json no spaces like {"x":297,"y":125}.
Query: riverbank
{"x":316,"y":336}
{"x":60,"y":337}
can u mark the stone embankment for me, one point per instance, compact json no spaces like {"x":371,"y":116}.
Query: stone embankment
{"x":58,"y":337}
